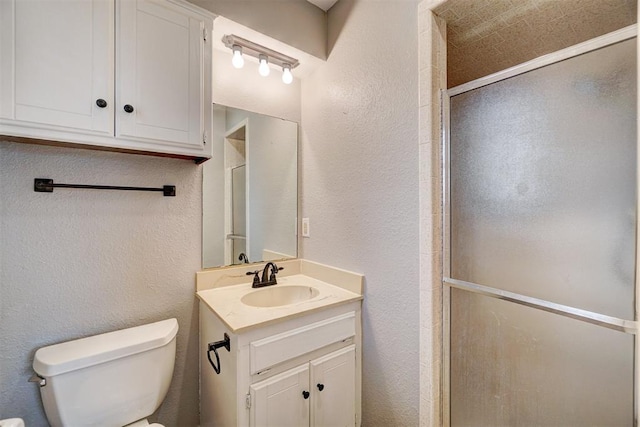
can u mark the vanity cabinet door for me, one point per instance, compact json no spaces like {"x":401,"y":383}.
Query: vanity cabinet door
{"x":163,"y":75}
{"x":56,"y":62}
{"x":282,"y":400}
{"x":333,"y":385}
{"x":319,"y":393}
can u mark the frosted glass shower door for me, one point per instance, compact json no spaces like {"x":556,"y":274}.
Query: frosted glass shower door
{"x":540,"y":272}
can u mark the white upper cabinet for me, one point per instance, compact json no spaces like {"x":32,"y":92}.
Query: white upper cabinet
{"x":161,"y":73}
{"x":56,"y":61}
{"x":132,"y":75}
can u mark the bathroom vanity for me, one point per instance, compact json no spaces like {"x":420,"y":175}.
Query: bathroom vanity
{"x":294,"y":353}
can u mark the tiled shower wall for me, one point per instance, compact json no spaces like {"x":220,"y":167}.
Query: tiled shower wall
{"x":432,"y":42}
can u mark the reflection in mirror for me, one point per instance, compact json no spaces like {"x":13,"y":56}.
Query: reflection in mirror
{"x":249,"y":189}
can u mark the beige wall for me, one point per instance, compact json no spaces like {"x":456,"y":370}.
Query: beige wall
{"x":360,"y":188}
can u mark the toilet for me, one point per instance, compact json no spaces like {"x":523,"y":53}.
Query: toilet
{"x":113,"y":379}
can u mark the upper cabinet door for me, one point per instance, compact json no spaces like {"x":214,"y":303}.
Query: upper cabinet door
{"x":163,"y":74}
{"x":333,"y":380}
{"x":57,"y":61}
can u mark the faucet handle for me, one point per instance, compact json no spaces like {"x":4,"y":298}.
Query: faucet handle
{"x":274,"y":271}
{"x":256,"y":278}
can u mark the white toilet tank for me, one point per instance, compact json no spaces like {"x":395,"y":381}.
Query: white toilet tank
{"x":111,"y":379}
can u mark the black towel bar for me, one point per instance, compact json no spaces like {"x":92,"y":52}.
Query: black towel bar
{"x":43,"y":185}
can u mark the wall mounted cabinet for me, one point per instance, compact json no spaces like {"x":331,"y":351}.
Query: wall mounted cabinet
{"x":130,"y":75}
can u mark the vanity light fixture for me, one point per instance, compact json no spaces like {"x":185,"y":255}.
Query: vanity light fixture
{"x":265,"y":56}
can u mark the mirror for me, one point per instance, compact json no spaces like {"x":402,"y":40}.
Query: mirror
{"x":250,"y":189}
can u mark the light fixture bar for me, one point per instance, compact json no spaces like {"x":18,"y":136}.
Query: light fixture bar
{"x":254,"y":49}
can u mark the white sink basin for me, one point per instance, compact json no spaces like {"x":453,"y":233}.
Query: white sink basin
{"x":275,"y":296}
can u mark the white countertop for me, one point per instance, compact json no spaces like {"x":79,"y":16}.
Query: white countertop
{"x":226,"y":304}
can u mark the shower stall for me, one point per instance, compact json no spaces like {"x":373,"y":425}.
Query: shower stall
{"x":540,"y":243}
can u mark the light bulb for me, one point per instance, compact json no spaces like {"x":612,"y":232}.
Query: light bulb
{"x":287,"y":77}
{"x":237,"y":60}
{"x":264,"y":69}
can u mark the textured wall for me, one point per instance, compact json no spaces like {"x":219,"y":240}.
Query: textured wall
{"x":81,"y":262}
{"x":360,"y":188}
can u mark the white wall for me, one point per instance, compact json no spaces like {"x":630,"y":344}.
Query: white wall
{"x":360,"y":188}
{"x":81,"y":262}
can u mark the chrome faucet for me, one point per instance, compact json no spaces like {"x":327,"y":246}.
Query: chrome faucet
{"x":266,"y":279}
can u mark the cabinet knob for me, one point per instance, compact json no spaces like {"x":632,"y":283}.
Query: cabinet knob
{"x":305,"y":394}
{"x":128,"y":108}
{"x":320,"y":387}
{"x":101,"y":103}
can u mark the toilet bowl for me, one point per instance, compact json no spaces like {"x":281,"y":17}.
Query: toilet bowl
{"x":80,"y":376}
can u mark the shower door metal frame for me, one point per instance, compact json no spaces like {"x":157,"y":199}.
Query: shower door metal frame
{"x":622,"y":325}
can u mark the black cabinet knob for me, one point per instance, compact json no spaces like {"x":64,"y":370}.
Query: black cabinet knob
{"x":320,"y":387}
{"x":101,"y":103}
{"x":305,"y":394}
{"x":128,"y":108}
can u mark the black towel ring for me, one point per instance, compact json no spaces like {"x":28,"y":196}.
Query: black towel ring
{"x":214,"y":346}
